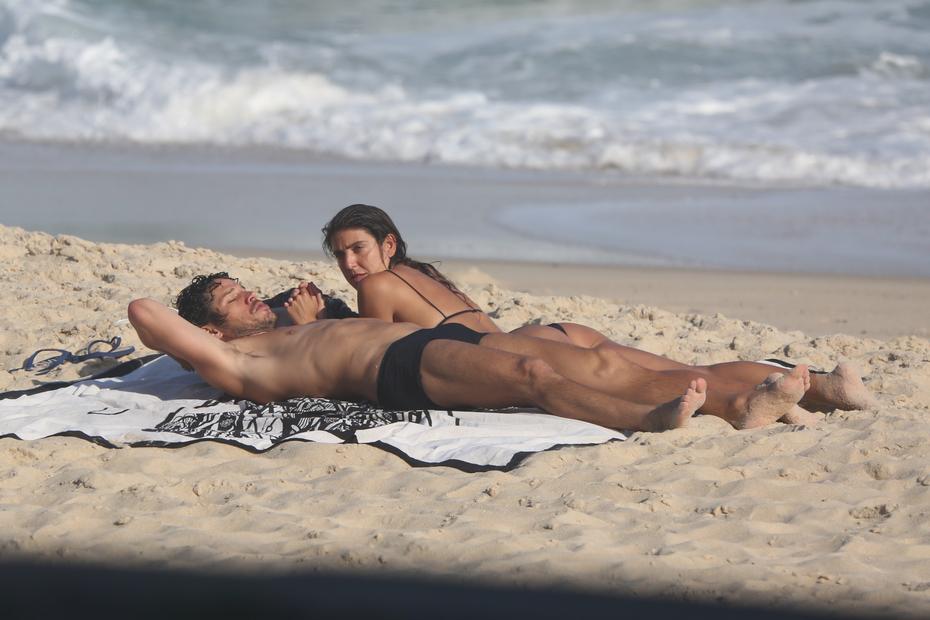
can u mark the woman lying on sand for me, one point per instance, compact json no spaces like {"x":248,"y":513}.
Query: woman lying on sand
{"x":372,"y":256}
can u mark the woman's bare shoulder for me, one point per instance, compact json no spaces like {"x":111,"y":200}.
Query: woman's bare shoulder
{"x":415,"y":278}
{"x":380,"y":283}
{"x":403,"y":289}
{"x":380,"y":294}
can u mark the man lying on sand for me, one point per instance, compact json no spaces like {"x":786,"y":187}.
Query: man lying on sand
{"x":227,"y":335}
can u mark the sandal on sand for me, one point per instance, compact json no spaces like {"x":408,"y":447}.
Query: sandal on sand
{"x":46,"y":359}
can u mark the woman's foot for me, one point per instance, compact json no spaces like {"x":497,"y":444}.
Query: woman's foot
{"x":797,"y":415}
{"x":772,"y":399}
{"x":841,"y":389}
{"x":676,"y":413}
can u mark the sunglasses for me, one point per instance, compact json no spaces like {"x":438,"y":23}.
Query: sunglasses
{"x":45,"y":360}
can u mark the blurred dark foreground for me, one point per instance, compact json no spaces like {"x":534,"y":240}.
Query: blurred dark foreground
{"x":31,"y":590}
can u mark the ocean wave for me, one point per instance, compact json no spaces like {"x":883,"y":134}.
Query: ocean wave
{"x":898,"y":65}
{"x":310,"y":112}
{"x":65,"y":78}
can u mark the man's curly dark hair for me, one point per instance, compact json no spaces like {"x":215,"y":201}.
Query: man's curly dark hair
{"x":195,"y":302}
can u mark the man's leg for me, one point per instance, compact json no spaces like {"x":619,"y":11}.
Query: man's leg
{"x":840,"y":389}
{"x":739,"y":404}
{"x":456,"y":374}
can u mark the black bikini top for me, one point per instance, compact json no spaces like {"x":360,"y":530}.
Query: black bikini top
{"x":426,"y":299}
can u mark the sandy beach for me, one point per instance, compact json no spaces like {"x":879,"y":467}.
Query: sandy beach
{"x":710,"y":181}
{"x":828,"y":516}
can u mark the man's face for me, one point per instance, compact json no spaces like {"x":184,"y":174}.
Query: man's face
{"x":245,"y":313}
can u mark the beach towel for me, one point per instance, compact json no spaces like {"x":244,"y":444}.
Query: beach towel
{"x":154,"y":402}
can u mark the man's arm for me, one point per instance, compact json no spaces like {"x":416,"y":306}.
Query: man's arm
{"x":161,"y":328}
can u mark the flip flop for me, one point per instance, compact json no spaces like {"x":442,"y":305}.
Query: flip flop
{"x":44,"y":360}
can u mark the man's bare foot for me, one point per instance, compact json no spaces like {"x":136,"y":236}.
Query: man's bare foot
{"x":797,"y":415}
{"x":841,"y":389}
{"x":303,"y":306}
{"x":772,"y":399}
{"x":676,"y":413}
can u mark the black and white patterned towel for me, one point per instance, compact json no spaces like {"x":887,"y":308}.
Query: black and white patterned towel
{"x":157,"y":403}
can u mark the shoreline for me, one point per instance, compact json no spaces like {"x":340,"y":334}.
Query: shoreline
{"x":250,"y":199}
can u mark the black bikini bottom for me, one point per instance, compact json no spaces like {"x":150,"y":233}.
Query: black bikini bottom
{"x":400,"y":385}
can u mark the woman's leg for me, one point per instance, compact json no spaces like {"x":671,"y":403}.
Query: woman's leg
{"x":588,"y":338}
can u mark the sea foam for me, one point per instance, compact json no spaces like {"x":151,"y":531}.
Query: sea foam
{"x":645,"y":91}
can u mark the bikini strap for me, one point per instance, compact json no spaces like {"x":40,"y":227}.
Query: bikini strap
{"x":455,"y":314}
{"x":422,"y":296}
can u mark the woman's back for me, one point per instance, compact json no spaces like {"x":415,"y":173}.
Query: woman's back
{"x":405,"y":294}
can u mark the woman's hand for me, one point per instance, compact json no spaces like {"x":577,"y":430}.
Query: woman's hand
{"x":305,"y":304}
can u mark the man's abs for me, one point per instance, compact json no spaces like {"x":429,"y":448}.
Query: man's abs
{"x":333,"y":359}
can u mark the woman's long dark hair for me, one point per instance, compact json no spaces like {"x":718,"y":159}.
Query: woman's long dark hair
{"x":379,"y":225}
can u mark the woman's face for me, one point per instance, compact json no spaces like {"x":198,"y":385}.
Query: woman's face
{"x":359,"y":254}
